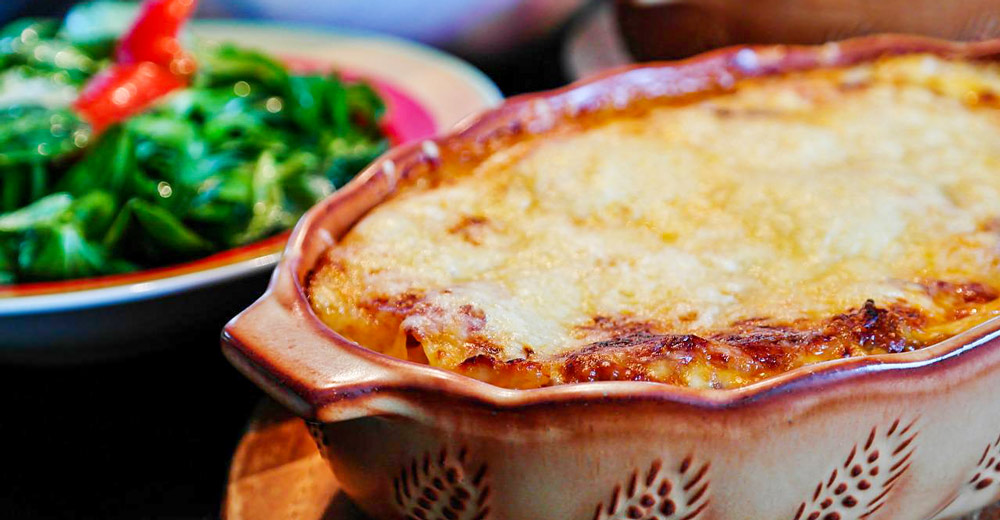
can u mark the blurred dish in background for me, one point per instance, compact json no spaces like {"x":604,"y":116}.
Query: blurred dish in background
{"x":620,"y":32}
{"x":427,"y":92}
{"x":594,"y":44}
{"x":670,"y":29}
{"x":476,"y":28}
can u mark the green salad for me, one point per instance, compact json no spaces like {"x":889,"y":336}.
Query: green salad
{"x":236,"y":155}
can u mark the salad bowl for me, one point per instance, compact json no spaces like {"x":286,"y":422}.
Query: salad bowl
{"x":913,"y":435}
{"x":53,"y":322}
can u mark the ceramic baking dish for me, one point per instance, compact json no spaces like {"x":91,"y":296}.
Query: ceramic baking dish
{"x":901,"y":436}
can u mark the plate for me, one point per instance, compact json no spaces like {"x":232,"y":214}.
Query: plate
{"x":427,"y":92}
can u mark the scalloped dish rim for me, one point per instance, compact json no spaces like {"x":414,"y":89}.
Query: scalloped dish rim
{"x":373,"y":374}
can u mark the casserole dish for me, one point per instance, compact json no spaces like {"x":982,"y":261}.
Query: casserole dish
{"x":913,"y":435}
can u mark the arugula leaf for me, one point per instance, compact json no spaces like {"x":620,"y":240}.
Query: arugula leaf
{"x":347,"y":158}
{"x":8,"y":265}
{"x":119,"y":226}
{"x":35,"y":134}
{"x":13,"y":189}
{"x":159,"y":232}
{"x":269,"y":212}
{"x":166,"y":230}
{"x":42,"y":211}
{"x":109,"y":166}
{"x":7,"y":274}
{"x":226,"y":64}
{"x":94,"y":212}
{"x":58,"y":252}
{"x":30,"y":42}
{"x":365,"y":105}
{"x":26,"y":31}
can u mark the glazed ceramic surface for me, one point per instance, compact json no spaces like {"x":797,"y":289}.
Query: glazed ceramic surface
{"x":909,"y":436}
{"x":277,"y":472}
{"x":427,"y":93}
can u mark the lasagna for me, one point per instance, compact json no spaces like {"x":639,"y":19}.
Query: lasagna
{"x":711,"y":241}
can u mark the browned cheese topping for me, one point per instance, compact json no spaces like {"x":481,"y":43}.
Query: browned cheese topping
{"x":707,"y":243}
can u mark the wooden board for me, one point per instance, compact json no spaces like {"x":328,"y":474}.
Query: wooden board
{"x":278,"y":474}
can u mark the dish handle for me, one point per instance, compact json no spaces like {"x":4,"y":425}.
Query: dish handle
{"x":300,"y":363}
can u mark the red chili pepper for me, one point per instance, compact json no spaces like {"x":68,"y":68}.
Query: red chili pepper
{"x":150,"y":63}
{"x":121,"y":91}
{"x":153,"y":36}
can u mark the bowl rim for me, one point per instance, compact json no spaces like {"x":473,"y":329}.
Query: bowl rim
{"x":80,"y":293}
{"x":319,"y":373}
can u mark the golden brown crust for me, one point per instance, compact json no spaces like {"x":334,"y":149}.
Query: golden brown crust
{"x":748,"y":353}
{"x":448,"y":320}
{"x":752,"y":351}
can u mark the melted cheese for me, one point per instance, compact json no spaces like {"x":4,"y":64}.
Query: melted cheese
{"x":674,"y":245}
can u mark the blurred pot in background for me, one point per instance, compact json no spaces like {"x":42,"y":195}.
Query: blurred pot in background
{"x":476,"y":28}
{"x":669,"y":29}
